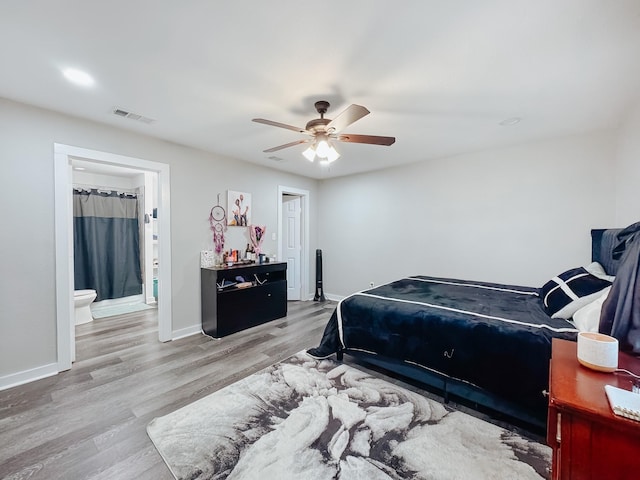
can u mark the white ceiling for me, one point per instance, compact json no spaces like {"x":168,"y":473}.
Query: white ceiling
{"x":438,"y":75}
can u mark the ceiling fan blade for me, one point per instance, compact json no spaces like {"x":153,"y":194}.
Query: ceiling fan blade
{"x":347,"y":117}
{"x":286,"y":145}
{"x":372,"y":139}
{"x":281,"y":125}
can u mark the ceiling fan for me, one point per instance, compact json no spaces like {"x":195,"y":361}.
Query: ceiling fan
{"x":322,"y":131}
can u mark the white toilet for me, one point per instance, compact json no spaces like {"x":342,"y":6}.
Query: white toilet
{"x":82,"y":300}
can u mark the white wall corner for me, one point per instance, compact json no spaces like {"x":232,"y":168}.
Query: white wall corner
{"x":334,"y":298}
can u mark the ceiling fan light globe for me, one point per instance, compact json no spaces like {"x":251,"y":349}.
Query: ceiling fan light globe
{"x":309,"y":154}
{"x":333,"y":155}
{"x":323,"y":148}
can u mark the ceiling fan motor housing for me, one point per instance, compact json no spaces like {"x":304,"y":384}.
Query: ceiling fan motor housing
{"x":317,"y":125}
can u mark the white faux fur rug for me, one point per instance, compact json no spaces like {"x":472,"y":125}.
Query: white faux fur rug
{"x":309,"y":419}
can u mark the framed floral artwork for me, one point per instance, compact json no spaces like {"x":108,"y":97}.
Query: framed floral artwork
{"x":238,"y":208}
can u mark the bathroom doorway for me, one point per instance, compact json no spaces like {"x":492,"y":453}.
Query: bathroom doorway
{"x":65,"y":156}
{"x":121,"y":286}
{"x":110,"y":199}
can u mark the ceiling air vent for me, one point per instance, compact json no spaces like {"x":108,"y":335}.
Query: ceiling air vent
{"x":133,"y":116}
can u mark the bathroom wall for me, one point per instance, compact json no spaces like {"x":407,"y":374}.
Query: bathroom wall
{"x":108,"y":182}
{"x":150,"y":239}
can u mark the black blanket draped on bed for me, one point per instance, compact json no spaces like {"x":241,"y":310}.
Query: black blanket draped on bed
{"x":620,"y":315}
{"x":496,"y":337}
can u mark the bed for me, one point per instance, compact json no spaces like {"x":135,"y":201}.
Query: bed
{"x":486,"y":344}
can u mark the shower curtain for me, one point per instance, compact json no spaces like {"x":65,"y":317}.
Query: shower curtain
{"x":106,"y":243}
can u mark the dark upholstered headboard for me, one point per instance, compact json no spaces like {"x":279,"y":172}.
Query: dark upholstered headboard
{"x":603,"y":242}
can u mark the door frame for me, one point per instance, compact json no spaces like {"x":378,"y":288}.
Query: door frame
{"x":294,"y":288}
{"x":63,"y":220}
{"x":304,"y":227}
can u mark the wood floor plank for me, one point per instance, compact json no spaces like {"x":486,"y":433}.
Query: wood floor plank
{"x":90,"y":422}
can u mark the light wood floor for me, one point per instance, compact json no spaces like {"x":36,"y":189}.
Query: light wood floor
{"x":90,"y":422}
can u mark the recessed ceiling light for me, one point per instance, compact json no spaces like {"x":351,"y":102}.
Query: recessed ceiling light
{"x":510,"y":121}
{"x":79,"y":168}
{"x":78,"y":77}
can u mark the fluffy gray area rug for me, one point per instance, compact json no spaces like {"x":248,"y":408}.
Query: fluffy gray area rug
{"x":319,"y":419}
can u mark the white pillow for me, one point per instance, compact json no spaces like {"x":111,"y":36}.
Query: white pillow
{"x":597,"y":270}
{"x":587,"y":318}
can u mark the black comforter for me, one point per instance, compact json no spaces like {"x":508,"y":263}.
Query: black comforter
{"x":495,"y":337}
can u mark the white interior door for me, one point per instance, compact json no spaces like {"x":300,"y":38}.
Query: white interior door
{"x":292,"y":243}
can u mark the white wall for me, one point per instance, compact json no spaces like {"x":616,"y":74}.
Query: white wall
{"x":27,"y":288}
{"x":628,"y":170}
{"x":90,"y":179}
{"x":517,"y":215}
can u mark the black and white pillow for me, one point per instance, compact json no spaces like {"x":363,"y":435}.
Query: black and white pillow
{"x":562,"y":296}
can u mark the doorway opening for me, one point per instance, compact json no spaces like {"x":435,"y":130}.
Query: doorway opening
{"x":64,"y":155}
{"x":115,"y":191}
{"x":293,"y":244}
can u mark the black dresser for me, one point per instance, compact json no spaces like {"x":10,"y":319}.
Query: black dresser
{"x":227,"y":308}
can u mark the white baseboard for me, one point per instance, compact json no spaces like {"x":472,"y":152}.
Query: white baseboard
{"x":186,"y":332}
{"x":334,"y":298}
{"x":328,"y":296}
{"x":26,"y":376}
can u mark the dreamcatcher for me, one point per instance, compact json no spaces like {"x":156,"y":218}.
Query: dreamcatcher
{"x":218,"y":222}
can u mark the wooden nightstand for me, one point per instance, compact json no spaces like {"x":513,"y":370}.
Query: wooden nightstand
{"x":588,"y":440}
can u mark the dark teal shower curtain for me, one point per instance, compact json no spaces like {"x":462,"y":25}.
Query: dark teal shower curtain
{"x":106,"y":243}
